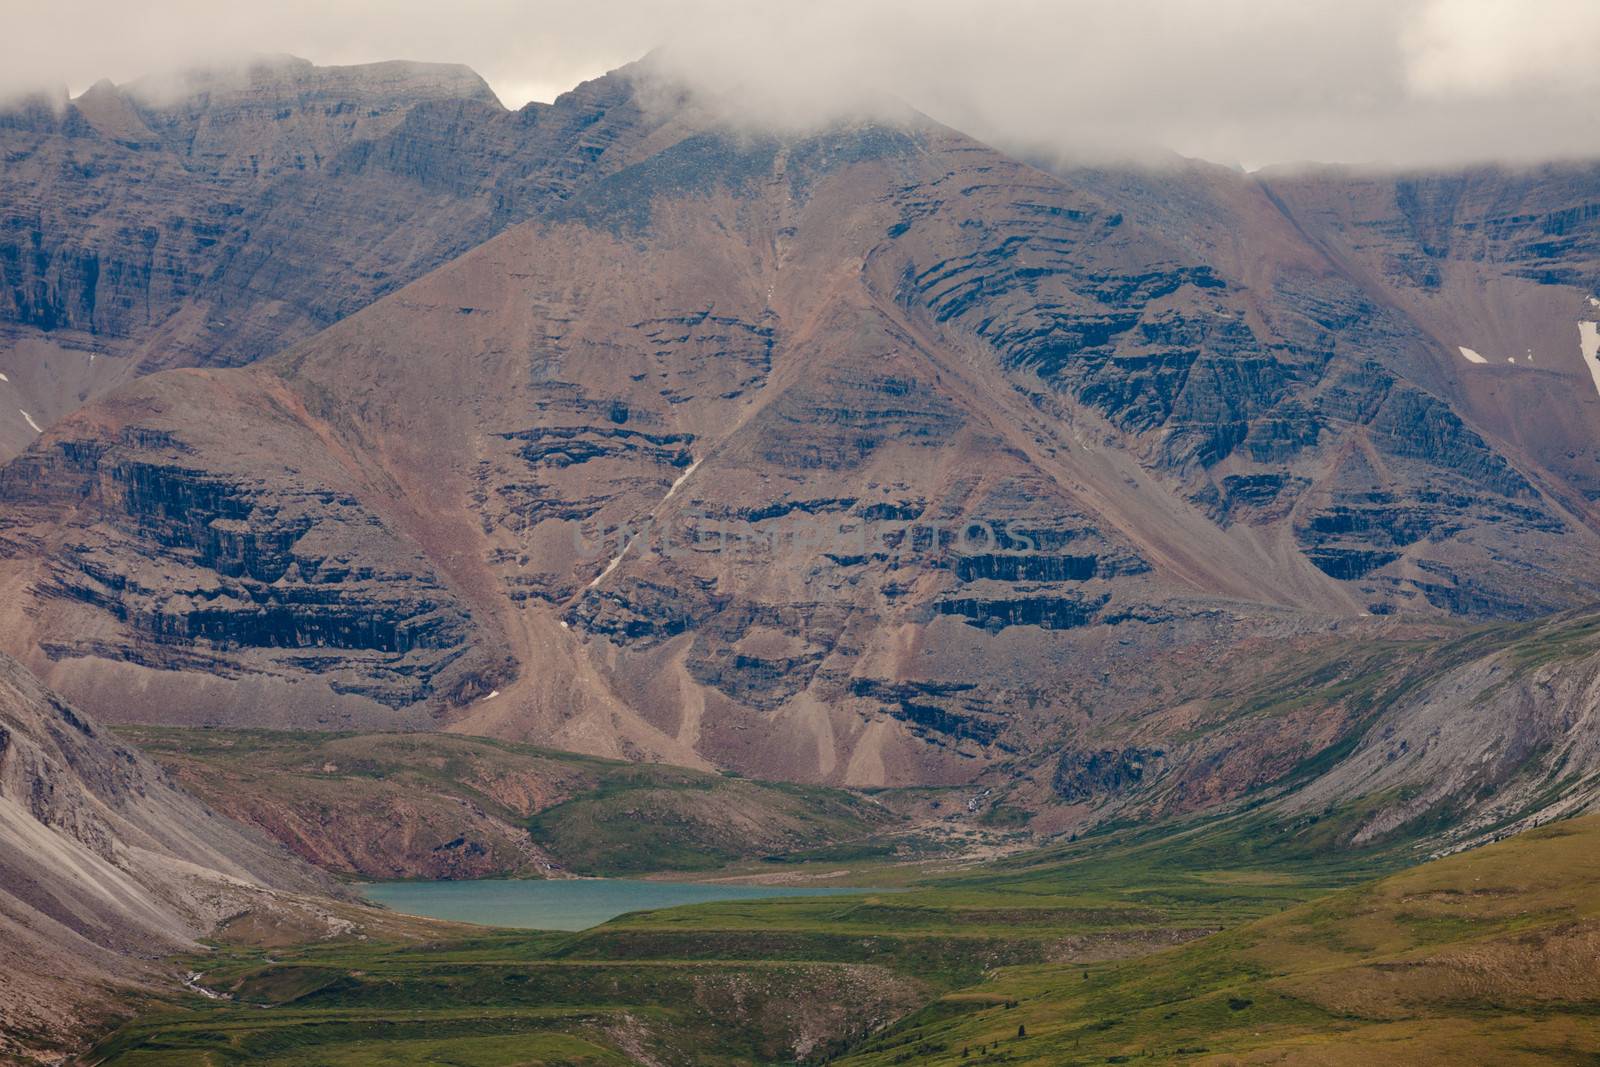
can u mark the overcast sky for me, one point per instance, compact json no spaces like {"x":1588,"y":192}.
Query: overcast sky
{"x":1254,"y":81}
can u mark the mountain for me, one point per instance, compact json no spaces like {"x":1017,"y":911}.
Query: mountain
{"x":1438,"y":742}
{"x":1502,"y":263}
{"x":419,"y":806}
{"x":865,"y":456}
{"x":213,"y":218}
{"x":105,"y":865}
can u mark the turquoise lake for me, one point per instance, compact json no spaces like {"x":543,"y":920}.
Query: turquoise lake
{"x":564,"y":904}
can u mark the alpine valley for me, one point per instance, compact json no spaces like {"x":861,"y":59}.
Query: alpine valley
{"x":1177,"y":584}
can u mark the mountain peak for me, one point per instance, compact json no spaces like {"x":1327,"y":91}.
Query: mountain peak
{"x":398,"y":80}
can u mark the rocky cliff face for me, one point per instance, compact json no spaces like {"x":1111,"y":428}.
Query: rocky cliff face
{"x":216,"y":217}
{"x":104,"y":864}
{"x":1502,"y":263}
{"x":297,"y":576}
{"x":865,"y":456}
{"x":1434,"y":443}
{"x":122,"y":205}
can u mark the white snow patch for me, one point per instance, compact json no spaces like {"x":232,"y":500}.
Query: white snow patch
{"x":610,"y":566}
{"x":3,"y":378}
{"x":564,"y":625}
{"x":35,"y":425}
{"x":491,"y":696}
{"x":681,"y":479}
{"x":1595,"y":301}
{"x":1472,"y":357}
{"x":1589,"y":345}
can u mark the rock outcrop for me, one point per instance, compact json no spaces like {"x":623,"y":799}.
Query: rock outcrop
{"x":295,"y":573}
{"x":1084,"y":776}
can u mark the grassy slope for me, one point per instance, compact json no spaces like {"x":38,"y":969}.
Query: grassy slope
{"x":741,"y":982}
{"x":440,"y":805}
{"x":1485,"y":957}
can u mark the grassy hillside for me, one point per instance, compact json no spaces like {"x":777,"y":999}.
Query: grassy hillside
{"x":1485,"y":957}
{"x":446,"y":806}
{"x":1261,"y":936}
{"x":740,"y":982}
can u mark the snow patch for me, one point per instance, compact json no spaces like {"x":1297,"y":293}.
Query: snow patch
{"x":610,"y":566}
{"x":681,"y":479}
{"x":1595,"y":301}
{"x":1471,"y":356}
{"x":1589,"y":346}
{"x":3,"y":378}
{"x":29,"y":418}
{"x":491,"y":696}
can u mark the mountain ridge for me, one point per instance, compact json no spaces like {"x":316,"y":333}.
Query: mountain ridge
{"x":261,"y":212}
{"x":1211,"y":422}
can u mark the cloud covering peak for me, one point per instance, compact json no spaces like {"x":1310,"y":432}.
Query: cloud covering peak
{"x":1399,"y":82}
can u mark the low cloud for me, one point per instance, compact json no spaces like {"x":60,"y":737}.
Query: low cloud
{"x":1398,"y":82}
{"x":1482,"y":50}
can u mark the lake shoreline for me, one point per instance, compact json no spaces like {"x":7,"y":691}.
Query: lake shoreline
{"x":569,"y":904}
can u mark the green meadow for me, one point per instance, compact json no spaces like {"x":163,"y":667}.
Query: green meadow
{"x":957,"y":952}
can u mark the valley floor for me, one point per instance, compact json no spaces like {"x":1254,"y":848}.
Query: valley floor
{"x":1243,"y":940}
